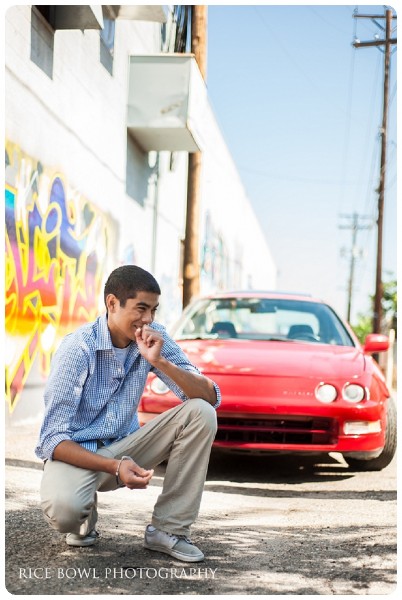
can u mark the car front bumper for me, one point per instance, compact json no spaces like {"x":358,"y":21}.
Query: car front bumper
{"x":306,"y":432}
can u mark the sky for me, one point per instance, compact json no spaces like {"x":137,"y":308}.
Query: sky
{"x":301,"y":110}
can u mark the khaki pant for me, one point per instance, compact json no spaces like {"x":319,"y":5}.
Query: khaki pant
{"x":182,"y":435}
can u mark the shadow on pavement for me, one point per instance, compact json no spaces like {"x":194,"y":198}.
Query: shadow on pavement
{"x":267,"y":560}
{"x":241,"y":474}
{"x":276,"y":468}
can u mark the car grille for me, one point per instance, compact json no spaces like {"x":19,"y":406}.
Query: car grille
{"x":278,"y":430}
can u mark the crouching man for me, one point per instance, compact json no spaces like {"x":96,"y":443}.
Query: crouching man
{"x":90,"y":437}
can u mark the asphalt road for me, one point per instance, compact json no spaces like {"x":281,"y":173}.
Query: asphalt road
{"x":267,"y":525}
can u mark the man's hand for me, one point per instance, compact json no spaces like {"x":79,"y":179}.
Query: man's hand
{"x":133,"y":476}
{"x":194,"y":385}
{"x":149,"y":343}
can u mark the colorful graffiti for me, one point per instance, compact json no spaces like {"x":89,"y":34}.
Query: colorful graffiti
{"x":56,"y":246}
{"x":218,"y":270}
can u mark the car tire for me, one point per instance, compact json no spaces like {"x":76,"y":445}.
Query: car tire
{"x":388,"y":452}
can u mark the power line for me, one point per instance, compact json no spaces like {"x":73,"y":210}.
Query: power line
{"x":273,"y":33}
{"x":387,"y":42}
{"x":345,"y":153}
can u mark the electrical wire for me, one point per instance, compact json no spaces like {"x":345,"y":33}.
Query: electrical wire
{"x":345,"y":153}
{"x":369,"y":132}
{"x":291,"y":58}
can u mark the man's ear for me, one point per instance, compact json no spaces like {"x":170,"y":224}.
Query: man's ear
{"x":112,"y":303}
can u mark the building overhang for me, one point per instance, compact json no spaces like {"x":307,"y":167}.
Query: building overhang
{"x":167,"y":99}
{"x":91,"y":16}
{"x":77,"y":17}
{"x":148,"y":12}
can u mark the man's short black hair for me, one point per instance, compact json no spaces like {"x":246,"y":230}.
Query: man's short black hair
{"x":125,"y":282}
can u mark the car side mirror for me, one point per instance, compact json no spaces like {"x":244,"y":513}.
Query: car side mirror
{"x":375,"y":342}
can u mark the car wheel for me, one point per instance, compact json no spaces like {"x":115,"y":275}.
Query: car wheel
{"x":388,"y":452}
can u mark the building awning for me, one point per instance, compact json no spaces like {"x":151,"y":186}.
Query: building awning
{"x":77,"y":17}
{"x":146,"y":12}
{"x":91,"y":16}
{"x":167,"y":99}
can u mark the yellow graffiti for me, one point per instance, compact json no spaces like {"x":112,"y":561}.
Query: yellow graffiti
{"x":56,"y":245}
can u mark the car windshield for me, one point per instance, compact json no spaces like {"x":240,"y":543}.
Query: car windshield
{"x":256,"y":318}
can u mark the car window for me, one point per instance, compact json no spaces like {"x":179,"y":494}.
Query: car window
{"x":263,"y":319}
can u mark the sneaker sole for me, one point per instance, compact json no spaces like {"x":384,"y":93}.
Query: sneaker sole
{"x":81,"y":544}
{"x":174,"y":553}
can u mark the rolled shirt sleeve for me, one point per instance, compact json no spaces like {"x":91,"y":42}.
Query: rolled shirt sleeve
{"x":173,"y":353}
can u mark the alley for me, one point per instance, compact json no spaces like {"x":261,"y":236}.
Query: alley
{"x":271,"y":526}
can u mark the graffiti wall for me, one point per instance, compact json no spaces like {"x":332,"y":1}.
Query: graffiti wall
{"x":218,"y":270}
{"x":57,"y":243}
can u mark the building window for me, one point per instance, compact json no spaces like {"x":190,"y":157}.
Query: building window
{"x":176,"y":32}
{"x":42,"y":38}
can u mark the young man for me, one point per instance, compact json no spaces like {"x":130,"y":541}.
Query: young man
{"x":90,"y":438}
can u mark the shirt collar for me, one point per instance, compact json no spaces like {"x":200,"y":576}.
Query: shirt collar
{"x":103,"y":339}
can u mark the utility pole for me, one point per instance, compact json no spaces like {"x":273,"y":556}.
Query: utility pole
{"x":387,"y":43}
{"x":354,"y":226}
{"x":191,"y":266}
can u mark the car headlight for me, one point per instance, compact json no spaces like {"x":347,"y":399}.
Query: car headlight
{"x":326,"y":393}
{"x":352,"y":392}
{"x":158,"y":387}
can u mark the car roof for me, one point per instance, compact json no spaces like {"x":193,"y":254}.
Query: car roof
{"x":265,"y":294}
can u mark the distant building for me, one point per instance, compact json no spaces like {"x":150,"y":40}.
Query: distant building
{"x":87,"y":189}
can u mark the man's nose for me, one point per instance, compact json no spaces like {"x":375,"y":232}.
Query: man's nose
{"x":147,"y":317}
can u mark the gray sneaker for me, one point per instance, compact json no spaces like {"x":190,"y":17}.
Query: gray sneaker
{"x":75,"y":539}
{"x":178,"y":546}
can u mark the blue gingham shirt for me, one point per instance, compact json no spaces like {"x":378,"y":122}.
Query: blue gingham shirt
{"x":90,"y":396}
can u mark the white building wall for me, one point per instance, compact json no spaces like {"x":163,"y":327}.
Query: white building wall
{"x":120,"y":208}
{"x":249,"y":262}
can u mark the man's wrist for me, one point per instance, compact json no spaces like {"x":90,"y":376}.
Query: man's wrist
{"x":159,"y":362}
{"x":117,"y":473}
{"x":113,"y":466}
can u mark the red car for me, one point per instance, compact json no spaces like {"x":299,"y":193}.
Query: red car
{"x":293,"y":376}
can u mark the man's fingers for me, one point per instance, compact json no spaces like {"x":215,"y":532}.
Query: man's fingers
{"x":142,"y":472}
{"x":139,"y":482}
{"x":144,"y":334}
{"x":149,"y":335}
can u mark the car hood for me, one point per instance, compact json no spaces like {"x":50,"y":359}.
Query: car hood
{"x":271,"y":358}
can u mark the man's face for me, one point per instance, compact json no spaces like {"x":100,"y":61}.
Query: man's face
{"x":124,"y":321}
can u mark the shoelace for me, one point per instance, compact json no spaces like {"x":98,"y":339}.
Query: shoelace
{"x":184,"y":537}
{"x":180,"y":537}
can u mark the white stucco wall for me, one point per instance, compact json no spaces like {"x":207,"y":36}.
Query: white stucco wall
{"x":71,"y":124}
{"x":250,"y":261}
